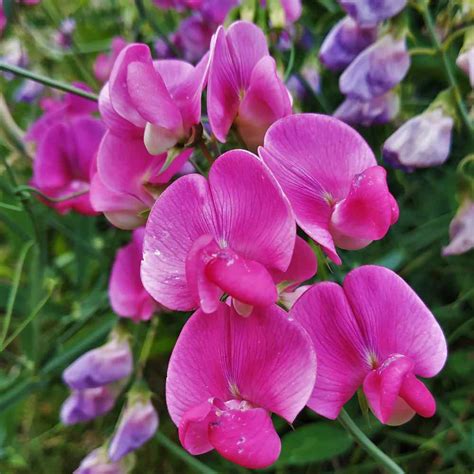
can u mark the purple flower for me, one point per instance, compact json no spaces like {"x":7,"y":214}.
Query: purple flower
{"x":14,"y":54}
{"x":138,"y":424}
{"x":344,"y":42}
{"x":298,"y":86}
{"x":370,"y":12}
{"x":63,"y":37}
{"x":380,"y":110}
{"x":422,"y":142}
{"x":96,"y":462}
{"x":101,"y":366}
{"x":376,"y":70}
{"x":461,"y":230}
{"x":28,"y":91}
{"x":193,"y":37}
{"x":85,"y":405}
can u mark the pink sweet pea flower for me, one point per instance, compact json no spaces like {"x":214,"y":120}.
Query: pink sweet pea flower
{"x":292,"y":10}
{"x":63,"y":162}
{"x":339,"y":194}
{"x":128,"y":179}
{"x":225,"y":235}
{"x":104,"y":62}
{"x":3,"y":19}
{"x":465,"y":62}
{"x":164,"y":97}
{"x":373,"y":332}
{"x":227,"y":374}
{"x":60,"y":110}
{"x":127,"y":296}
{"x":244,"y":89}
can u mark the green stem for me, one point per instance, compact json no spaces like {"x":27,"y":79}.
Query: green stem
{"x":447,"y":66}
{"x":147,"y":345}
{"x":205,"y":151}
{"x":13,"y":133}
{"x":14,"y":290}
{"x":20,"y":189}
{"x":19,"y":71}
{"x":192,"y":462}
{"x":388,"y":463}
{"x":154,"y":26}
{"x":291,"y":63}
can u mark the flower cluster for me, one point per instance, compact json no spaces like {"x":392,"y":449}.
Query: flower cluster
{"x":233,"y":239}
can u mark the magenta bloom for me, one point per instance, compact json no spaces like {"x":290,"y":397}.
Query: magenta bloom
{"x":60,"y":110}
{"x":164,"y":97}
{"x":368,"y":13}
{"x":244,"y":88}
{"x":292,"y":10}
{"x":376,"y":70}
{"x":101,"y":366}
{"x":128,"y":179}
{"x":225,"y":235}
{"x":380,"y":110}
{"x":104,"y":62}
{"x":227,"y":374}
{"x":138,"y":423}
{"x":64,"y":160}
{"x":344,"y":42}
{"x":127,"y":296}
{"x":85,"y":405}
{"x":339,"y":194}
{"x":373,"y":332}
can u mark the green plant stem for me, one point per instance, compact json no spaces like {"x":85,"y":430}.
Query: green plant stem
{"x":192,"y":462}
{"x":291,"y":63}
{"x":30,"y":189}
{"x":154,"y":26}
{"x":205,"y":151}
{"x":13,"y":133}
{"x":13,"y":291}
{"x":147,"y":345}
{"x":388,"y":463}
{"x":428,"y":18}
{"x":19,"y":71}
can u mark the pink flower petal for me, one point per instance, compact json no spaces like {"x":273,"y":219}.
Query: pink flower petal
{"x":246,"y":280}
{"x":394,"y":320}
{"x":265,"y":359}
{"x":302,"y":267}
{"x":325,"y":313}
{"x":127,"y":296}
{"x":118,"y":83}
{"x":246,"y":437}
{"x":194,"y":428}
{"x":151,"y":97}
{"x":266,"y":100}
{"x":254,"y":217}
{"x":366,"y":213}
{"x":234,"y":55}
{"x":315,"y":158}
{"x":183,"y":213}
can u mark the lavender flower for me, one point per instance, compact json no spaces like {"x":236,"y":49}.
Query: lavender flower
{"x":461,"y":230}
{"x":138,"y":424}
{"x":85,"y":405}
{"x":422,"y":142}
{"x":101,"y":366}
{"x":368,"y":13}
{"x":380,"y":110}
{"x":96,"y":462}
{"x":376,"y":70}
{"x":344,"y":42}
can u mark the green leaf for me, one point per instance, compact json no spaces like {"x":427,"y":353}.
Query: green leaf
{"x":313,"y":443}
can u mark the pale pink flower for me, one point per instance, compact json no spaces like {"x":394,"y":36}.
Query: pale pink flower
{"x":104,"y":62}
